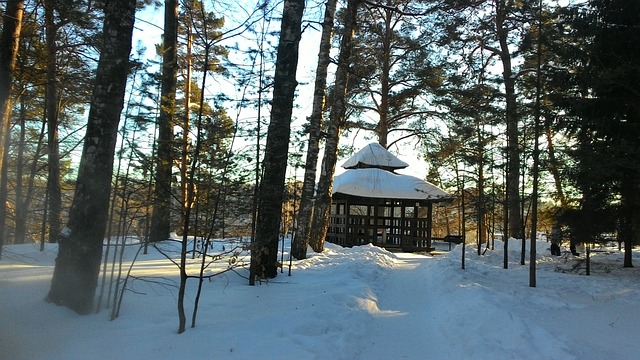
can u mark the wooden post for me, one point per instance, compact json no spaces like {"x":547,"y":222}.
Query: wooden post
{"x":429,"y":223}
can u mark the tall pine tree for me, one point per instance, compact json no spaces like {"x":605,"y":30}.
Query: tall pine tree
{"x":264,"y":253}
{"x":75,"y":275}
{"x":609,"y":139}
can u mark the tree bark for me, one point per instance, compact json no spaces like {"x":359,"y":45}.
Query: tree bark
{"x":9,"y":43}
{"x":264,"y":254}
{"x":53,"y":153}
{"x":184,"y":162}
{"x":160,"y":220}
{"x":554,"y":164}
{"x":21,"y":209}
{"x":629,"y":215}
{"x":77,"y":265}
{"x":511,"y":115}
{"x":336,"y":120}
{"x":301,"y":240}
{"x":385,"y":88}
{"x":480,"y":188}
{"x":4,"y":181}
{"x":24,"y":198}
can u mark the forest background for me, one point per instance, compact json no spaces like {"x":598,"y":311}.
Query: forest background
{"x":526,"y":111}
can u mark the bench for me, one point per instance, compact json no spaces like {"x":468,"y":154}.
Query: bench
{"x":456,"y":239}
{"x":451,"y":239}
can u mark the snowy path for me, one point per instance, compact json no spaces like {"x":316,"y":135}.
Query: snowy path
{"x":430,"y":307}
{"x":352,"y":303}
{"x":445,"y":313}
{"x":399,"y":324}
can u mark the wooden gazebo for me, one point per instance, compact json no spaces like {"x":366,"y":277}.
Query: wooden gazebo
{"x":372,"y":204}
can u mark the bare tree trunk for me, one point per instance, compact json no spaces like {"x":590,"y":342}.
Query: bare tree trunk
{"x":160,"y":220}
{"x":554,"y":164}
{"x":4,"y":180}
{"x":189,"y":198}
{"x":536,"y":155}
{"x":336,"y":120}
{"x":628,"y":222}
{"x":184,"y":163}
{"x":513,"y":147}
{"x":480,"y":184}
{"x":53,"y":159}
{"x":301,"y":240}
{"x":264,"y":254}
{"x":77,"y":267}
{"x":22,"y":215}
{"x":463,"y":218}
{"x":257,"y":169}
{"x":20,"y":206}
{"x":385,"y":88}
{"x":634,"y":220}
{"x":24,"y":197}
{"x":325,"y":185}
{"x":9,"y":43}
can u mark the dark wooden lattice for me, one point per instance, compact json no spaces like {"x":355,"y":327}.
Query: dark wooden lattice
{"x":390,"y":223}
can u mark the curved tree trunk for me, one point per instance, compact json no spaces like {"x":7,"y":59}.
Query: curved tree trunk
{"x":264,"y":253}
{"x":301,"y":241}
{"x":336,"y":120}
{"x":77,"y":267}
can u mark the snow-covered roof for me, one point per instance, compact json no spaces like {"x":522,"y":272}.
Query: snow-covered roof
{"x":378,"y":183}
{"x":374,"y":155}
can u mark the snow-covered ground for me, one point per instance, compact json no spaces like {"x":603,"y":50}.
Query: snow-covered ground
{"x":359,"y":303}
